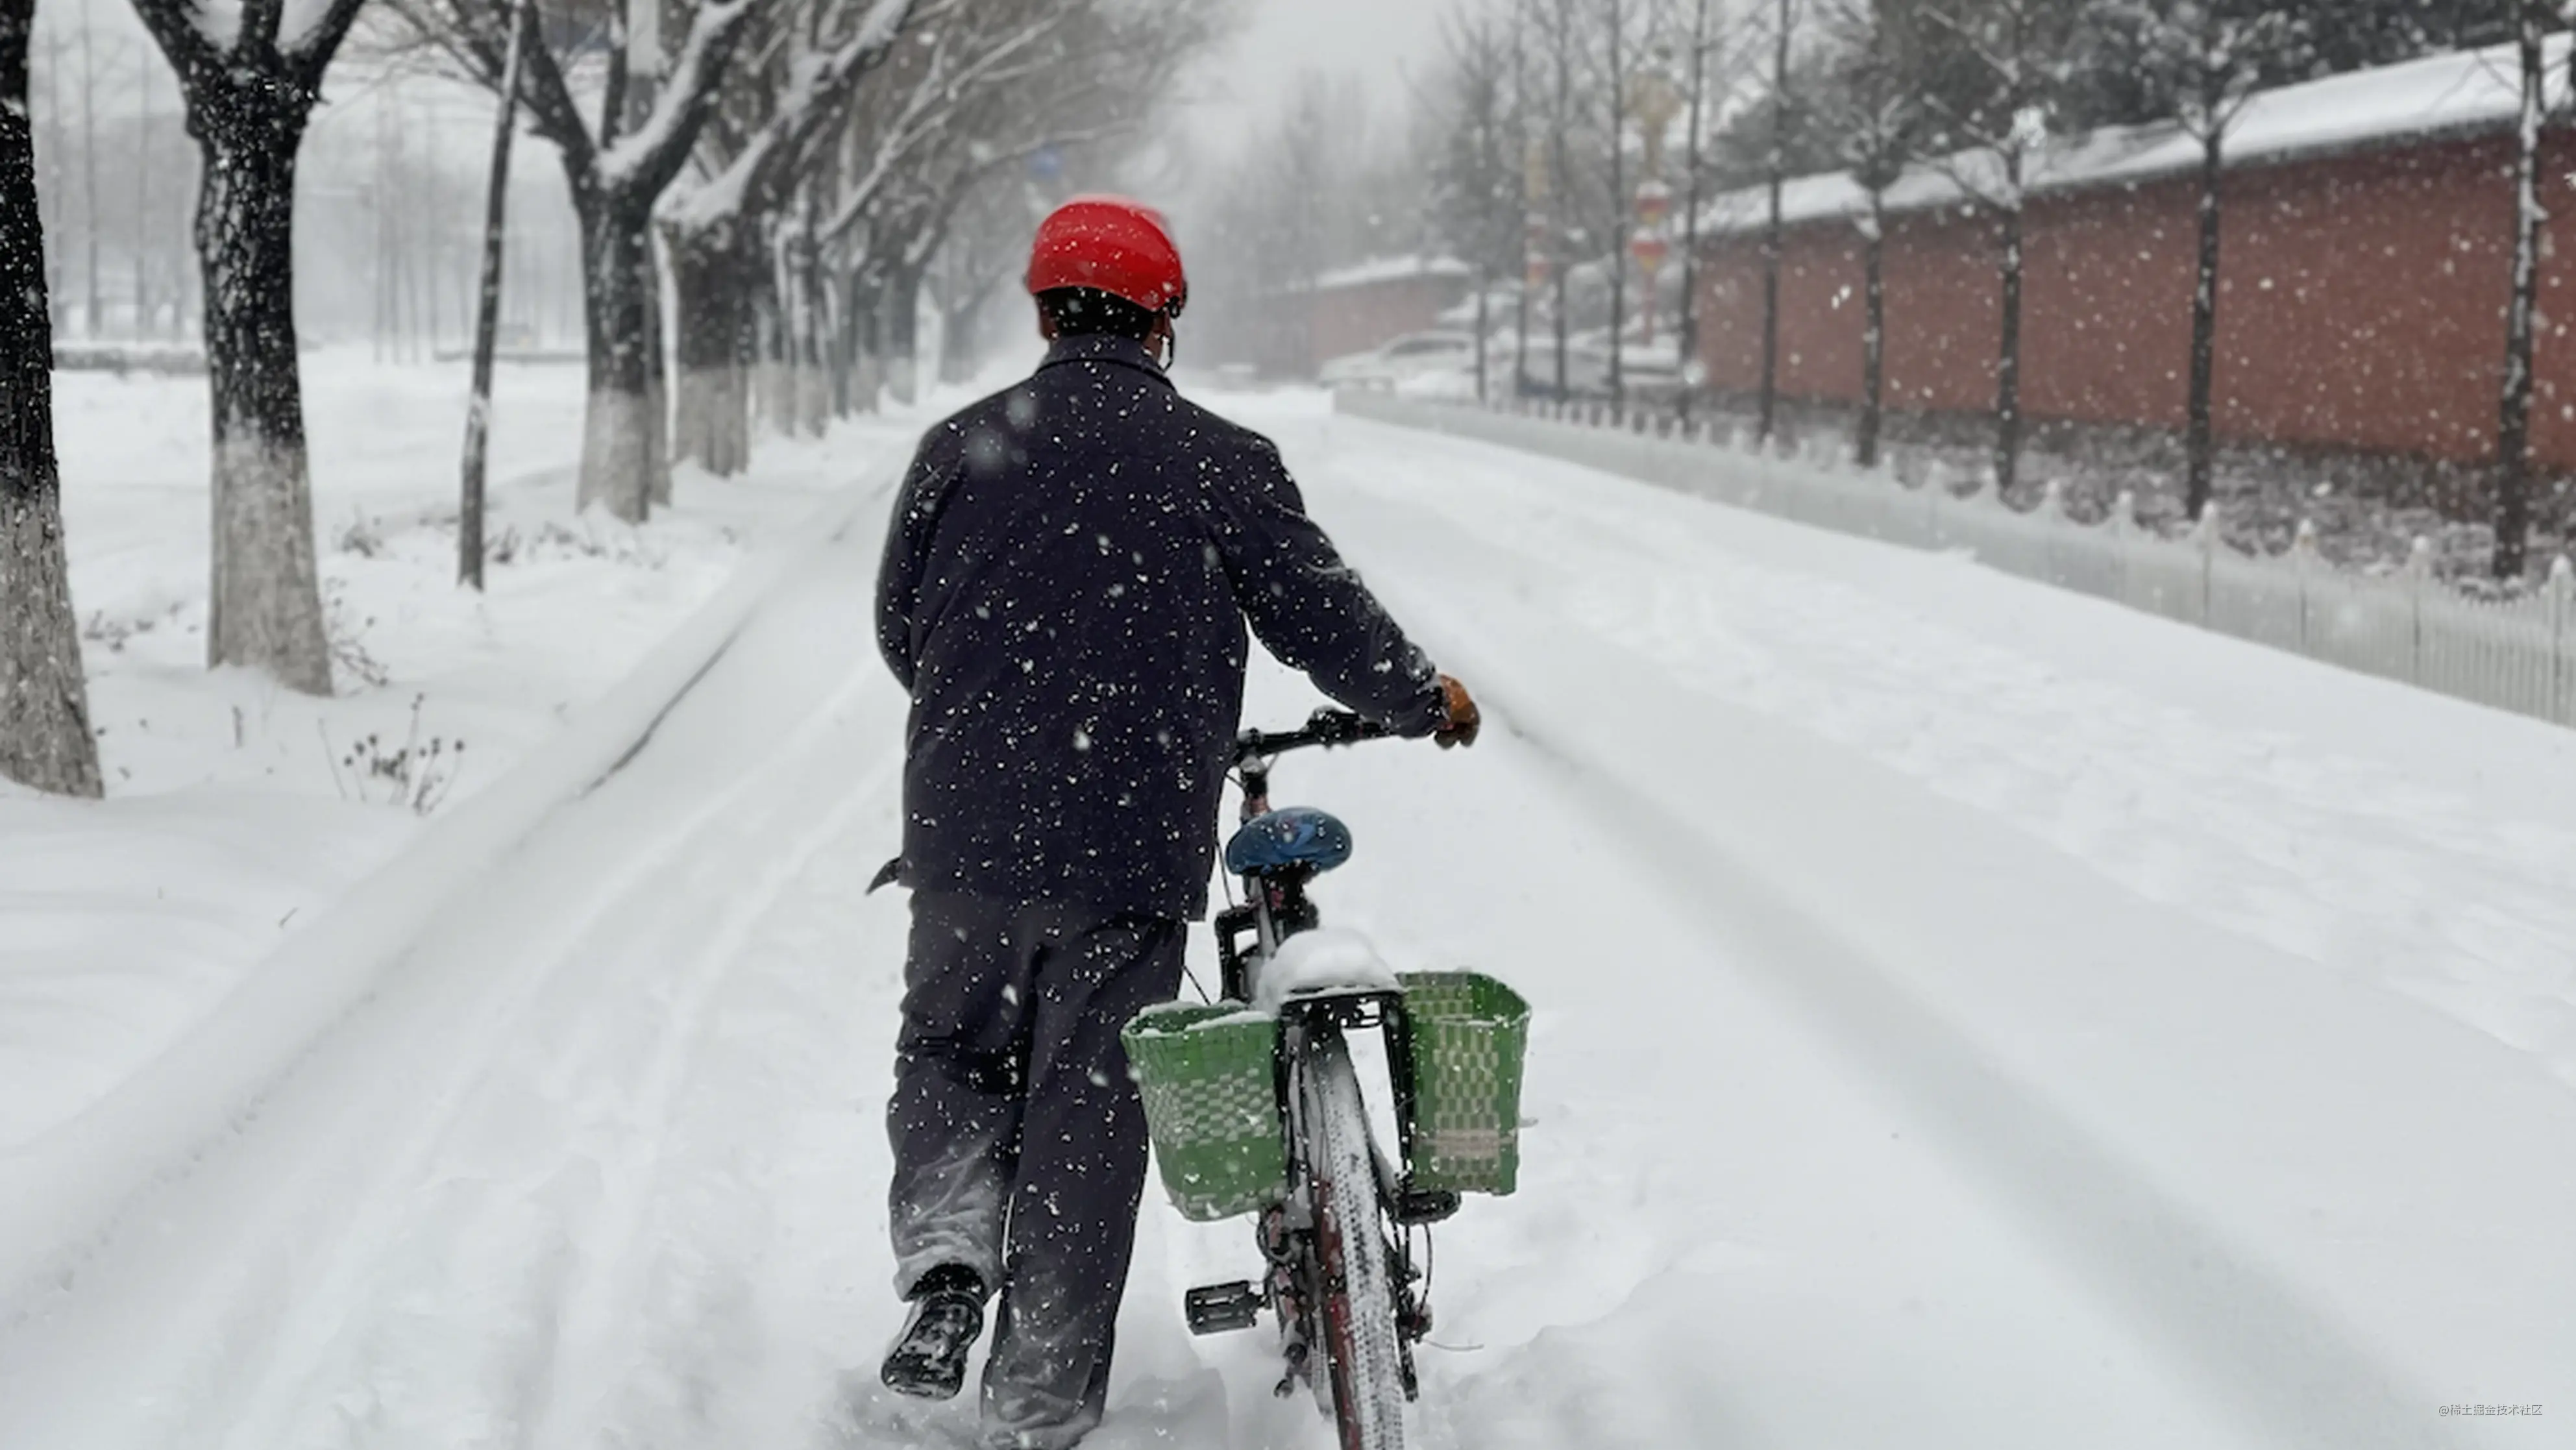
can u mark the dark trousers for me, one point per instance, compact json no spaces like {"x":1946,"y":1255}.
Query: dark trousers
{"x":1019,"y":1139}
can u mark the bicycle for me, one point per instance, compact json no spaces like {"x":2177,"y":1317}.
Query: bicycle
{"x":1341,"y":1274}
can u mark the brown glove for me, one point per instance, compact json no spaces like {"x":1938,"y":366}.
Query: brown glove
{"x":1460,"y":719}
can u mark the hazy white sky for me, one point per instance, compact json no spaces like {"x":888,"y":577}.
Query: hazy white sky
{"x":1380,"y":40}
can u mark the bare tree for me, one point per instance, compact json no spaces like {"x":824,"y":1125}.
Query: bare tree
{"x":487,"y":303}
{"x":142,"y":193}
{"x":44,"y":703}
{"x":248,"y":96}
{"x":1560,"y":123}
{"x":2013,"y":56}
{"x":1694,"y":120}
{"x":1476,"y":199}
{"x":617,"y":166}
{"x":2209,"y":56}
{"x":1532,"y":186}
{"x":974,"y":101}
{"x":89,"y":170}
{"x":56,"y":139}
{"x":720,"y":231}
{"x":2513,"y":431}
{"x":1775,"y":178}
{"x":1872,"y":106}
{"x":1616,"y":233}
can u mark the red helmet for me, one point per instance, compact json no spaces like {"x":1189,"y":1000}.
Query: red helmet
{"x":1112,"y":245}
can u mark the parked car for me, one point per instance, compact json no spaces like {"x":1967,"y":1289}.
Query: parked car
{"x":1397,"y":359}
{"x":1650,"y":375}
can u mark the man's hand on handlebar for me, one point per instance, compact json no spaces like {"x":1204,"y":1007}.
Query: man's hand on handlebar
{"x":1460,"y":719}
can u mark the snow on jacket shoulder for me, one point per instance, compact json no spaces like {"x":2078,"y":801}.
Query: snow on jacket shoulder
{"x":1065,"y":587}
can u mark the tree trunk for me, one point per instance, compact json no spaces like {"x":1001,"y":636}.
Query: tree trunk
{"x":1776,"y":168}
{"x":1561,"y":391}
{"x":45,"y":739}
{"x":56,"y":143}
{"x":143,"y":310}
{"x":711,"y":421}
{"x":1768,"y":415}
{"x":1618,"y":222}
{"x":1561,"y":182}
{"x":1520,"y":331}
{"x":1687,"y":333}
{"x":866,"y":306}
{"x":845,"y":347}
{"x":264,"y":609}
{"x":903,"y":329}
{"x":1873,"y":333}
{"x":487,"y":309}
{"x":657,"y":373}
{"x":2513,"y":434}
{"x":89,"y":166}
{"x":957,"y":361}
{"x":1483,"y":287}
{"x":617,"y":447}
{"x":2198,"y":445}
{"x":813,"y":328}
{"x":2008,"y":358}
{"x":770,"y":309}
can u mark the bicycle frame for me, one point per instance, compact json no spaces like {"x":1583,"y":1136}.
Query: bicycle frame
{"x":1276,"y":908}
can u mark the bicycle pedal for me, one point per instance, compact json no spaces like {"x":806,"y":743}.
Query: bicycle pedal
{"x":1220,"y":1308}
{"x":1417,"y":1206}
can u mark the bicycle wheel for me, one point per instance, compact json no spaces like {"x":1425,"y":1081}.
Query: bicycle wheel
{"x":1355,"y":1296}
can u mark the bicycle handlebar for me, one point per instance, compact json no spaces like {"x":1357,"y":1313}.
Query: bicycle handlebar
{"x":1324,"y":727}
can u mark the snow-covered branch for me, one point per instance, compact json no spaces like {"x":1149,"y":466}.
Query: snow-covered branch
{"x":819,"y":82}
{"x":645,"y":161}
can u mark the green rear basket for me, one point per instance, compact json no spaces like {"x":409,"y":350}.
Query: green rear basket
{"x":1212,"y":1101}
{"x":1470,"y":1034}
{"x":1212,"y":1105}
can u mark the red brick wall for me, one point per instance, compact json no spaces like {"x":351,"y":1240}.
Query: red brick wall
{"x":1941,"y":339}
{"x":2361,"y":306}
{"x":2112,"y":273}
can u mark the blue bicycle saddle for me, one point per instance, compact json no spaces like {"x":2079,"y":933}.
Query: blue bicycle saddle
{"x":1296,"y":836}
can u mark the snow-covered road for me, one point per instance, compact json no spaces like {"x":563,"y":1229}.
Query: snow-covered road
{"x":1967,"y":1015}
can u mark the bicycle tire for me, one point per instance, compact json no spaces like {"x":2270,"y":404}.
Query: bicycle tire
{"x":1363,"y":1356}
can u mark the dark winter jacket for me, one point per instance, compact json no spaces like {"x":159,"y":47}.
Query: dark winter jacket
{"x":1064,"y":592}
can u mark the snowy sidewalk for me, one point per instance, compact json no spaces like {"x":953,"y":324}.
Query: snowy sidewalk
{"x":236,"y":810}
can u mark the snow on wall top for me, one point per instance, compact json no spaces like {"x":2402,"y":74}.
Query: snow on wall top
{"x":1388,"y":269}
{"x":2441,"y":95}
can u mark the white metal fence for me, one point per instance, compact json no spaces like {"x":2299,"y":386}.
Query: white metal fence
{"x":2517,"y":655}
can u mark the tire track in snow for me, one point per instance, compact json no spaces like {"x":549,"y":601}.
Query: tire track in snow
{"x":2208,"y":1303}
{"x":602,"y":1077}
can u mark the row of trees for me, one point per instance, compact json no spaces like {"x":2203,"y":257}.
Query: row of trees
{"x":109,"y":144}
{"x":1535,"y":131}
{"x":797,"y":166}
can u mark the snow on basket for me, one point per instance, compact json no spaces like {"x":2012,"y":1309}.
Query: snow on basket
{"x":1470,"y":1037}
{"x":1211,"y":1105}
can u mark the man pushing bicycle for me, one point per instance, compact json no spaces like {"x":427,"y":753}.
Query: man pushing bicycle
{"x":1064,"y":592}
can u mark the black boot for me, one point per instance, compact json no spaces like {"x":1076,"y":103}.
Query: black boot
{"x":929,"y":1358}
